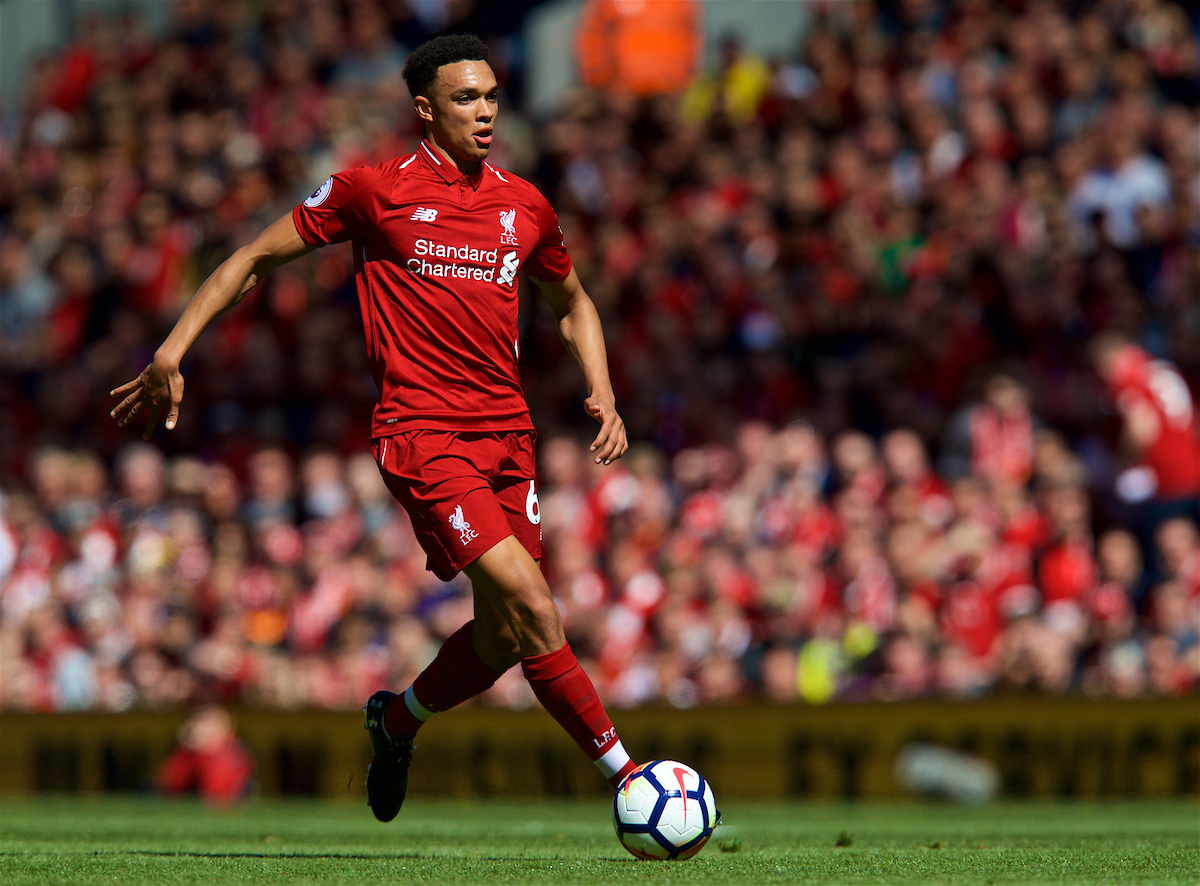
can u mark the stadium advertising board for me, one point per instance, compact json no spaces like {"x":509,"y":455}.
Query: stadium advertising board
{"x":1041,"y":748}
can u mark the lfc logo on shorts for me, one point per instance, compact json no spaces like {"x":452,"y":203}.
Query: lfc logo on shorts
{"x":459,"y":523}
{"x":508,"y":220}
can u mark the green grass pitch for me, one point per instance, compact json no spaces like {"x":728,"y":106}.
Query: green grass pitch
{"x":132,"y":840}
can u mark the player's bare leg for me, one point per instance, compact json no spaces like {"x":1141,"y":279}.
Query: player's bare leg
{"x":515,"y":620}
{"x":469,"y":662}
{"x":492,"y":637}
{"x":510,"y":578}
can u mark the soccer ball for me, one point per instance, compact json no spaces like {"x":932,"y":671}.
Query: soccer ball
{"x":664,"y":810}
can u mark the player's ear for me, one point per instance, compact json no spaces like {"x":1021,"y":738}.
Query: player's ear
{"x":424,"y":108}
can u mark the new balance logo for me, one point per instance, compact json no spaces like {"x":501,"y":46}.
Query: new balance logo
{"x":423,"y":214}
{"x":509,"y":272}
{"x":460,"y":525}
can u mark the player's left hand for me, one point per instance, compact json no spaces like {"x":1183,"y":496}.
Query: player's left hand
{"x":611,"y":443}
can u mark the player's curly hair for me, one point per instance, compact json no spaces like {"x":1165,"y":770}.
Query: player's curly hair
{"x":422,"y":66}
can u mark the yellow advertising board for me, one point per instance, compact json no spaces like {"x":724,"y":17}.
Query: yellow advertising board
{"x":1041,"y":748}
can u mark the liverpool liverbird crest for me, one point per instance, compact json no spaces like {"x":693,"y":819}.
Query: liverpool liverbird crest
{"x":459,"y":523}
{"x":508,"y":220}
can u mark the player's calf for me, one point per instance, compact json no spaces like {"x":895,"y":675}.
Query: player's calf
{"x":567,"y":693}
{"x":456,"y":674}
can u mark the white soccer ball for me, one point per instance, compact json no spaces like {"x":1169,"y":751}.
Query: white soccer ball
{"x":664,"y":810}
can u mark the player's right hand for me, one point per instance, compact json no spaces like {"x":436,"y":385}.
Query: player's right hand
{"x":155,"y":388}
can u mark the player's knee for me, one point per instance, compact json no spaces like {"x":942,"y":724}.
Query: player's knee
{"x":534,"y":617}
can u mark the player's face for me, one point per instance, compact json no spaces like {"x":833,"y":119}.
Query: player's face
{"x":462,"y":112}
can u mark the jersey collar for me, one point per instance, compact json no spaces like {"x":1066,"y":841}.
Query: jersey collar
{"x":443,"y":167}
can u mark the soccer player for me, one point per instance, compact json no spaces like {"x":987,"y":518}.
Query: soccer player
{"x":438,"y":237}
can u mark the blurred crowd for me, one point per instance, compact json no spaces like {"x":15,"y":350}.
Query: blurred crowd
{"x":853,"y":299}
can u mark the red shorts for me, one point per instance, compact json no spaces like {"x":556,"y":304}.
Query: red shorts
{"x":465,"y":491}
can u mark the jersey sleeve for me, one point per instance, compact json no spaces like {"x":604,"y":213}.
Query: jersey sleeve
{"x":550,"y":261}
{"x":343,"y":208}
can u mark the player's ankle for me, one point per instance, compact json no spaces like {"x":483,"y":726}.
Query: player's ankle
{"x":617,"y":777}
{"x":398,"y":720}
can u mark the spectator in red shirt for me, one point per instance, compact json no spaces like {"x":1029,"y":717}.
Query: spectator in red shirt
{"x":209,"y":761}
{"x":1160,"y":425}
{"x":993,"y":439}
{"x":1112,"y":604}
{"x":908,"y":466}
{"x":1067,"y":568}
{"x":1160,"y":431}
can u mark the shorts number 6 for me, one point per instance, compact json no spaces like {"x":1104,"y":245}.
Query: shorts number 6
{"x":532,"y":511}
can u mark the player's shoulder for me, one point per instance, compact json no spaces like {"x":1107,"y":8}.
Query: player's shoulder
{"x":392,"y":176}
{"x":366,"y":174}
{"x":403,"y":164}
{"x":510,"y":180}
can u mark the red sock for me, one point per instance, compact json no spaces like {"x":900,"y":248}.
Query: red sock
{"x":458,"y":673}
{"x":564,"y":690}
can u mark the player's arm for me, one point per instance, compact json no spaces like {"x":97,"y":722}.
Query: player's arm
{"x":161,"y":384}
{"x":580,"y":330}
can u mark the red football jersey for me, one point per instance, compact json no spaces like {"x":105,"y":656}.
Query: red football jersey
{"x":1067,"y":571}
{"x":1174,"y":454}
{"x":436,"y":256}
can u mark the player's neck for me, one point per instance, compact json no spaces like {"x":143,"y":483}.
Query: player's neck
{"x":465,"y":166}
